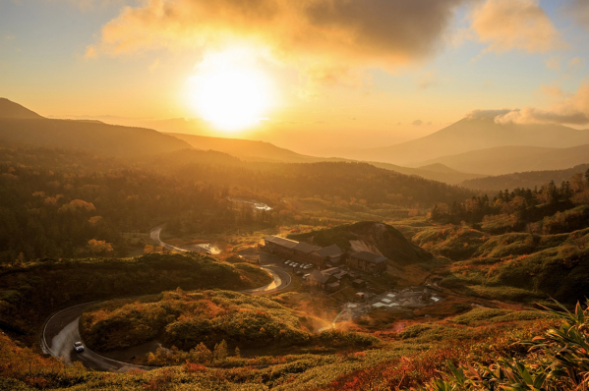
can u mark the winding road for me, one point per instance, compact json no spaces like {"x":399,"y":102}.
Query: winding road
{"x":62,"y":329}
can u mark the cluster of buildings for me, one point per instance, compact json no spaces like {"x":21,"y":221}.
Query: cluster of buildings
{"x":326,"y":259}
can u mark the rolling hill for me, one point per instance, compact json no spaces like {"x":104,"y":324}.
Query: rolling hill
{"x":9,"y":109}
{"x":246,"y":149}
{"x":524,"y":179}
{"x":469,"y":135}
{"x":369,"y":236}
{"x":507,"y":160}
{"x":260,"y":151}
{"x":22,"y":127}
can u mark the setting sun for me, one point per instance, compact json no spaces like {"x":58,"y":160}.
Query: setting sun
{"x":232,"y":97}
{"x":320,"y":195}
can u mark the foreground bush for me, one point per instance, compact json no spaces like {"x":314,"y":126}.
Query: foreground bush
{"x":557,"y":360}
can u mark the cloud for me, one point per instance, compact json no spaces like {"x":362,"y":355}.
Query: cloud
{"x":553,"y":63}
{"x":155,"y":65}
{"x":487,"y":114}
{"x":428,"y":80}
{"x":515,"y":25}
{"x":573,"y":110}
{"x":579,"y":10}
{"x":553,"y":91}
{"x":323,"y":33}
{"x":575,"y":63}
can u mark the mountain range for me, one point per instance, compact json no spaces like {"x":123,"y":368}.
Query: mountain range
{"x":470,"y":134}
{"x":464,"y":153}
{"x":510,"y":159}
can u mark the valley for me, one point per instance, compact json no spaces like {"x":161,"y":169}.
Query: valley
{"x":224,"y":265}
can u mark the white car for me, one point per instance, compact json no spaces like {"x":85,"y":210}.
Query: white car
{"x":308,"y":266}
{"x":78,"y":347}
{"x":294,"y":264}
{"x":287,"y":262}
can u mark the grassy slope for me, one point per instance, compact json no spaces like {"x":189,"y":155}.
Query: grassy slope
{"x":512,"y":266}
{"x":28,"y":295}
{"x":184,"y":319}
{"x":408,"y":358}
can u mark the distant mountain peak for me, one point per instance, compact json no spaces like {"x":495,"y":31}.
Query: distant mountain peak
{"x":10,"y":109}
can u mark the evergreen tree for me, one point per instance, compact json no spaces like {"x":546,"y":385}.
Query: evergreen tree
{"x":220,"y":351}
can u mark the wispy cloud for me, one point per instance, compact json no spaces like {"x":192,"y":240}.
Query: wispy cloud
{"x":575,"y":63}
{"x":579,"y":10}
{"x":430,"y":79}
{"x":572,"y":110}
{"x":553,"y":62}
{"x":506,"y":25}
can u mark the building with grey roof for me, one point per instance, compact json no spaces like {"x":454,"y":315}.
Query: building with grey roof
{"x":331,"y":254}
{"x":367,"y":262}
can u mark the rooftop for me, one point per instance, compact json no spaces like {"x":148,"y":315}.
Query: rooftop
{"x":332,"y":271}
{"x":331,"y":251}
{"x":306,"y":248}
{"x":281,"y":241}
{"x":321,"y":278}
{"x":369,"y":257}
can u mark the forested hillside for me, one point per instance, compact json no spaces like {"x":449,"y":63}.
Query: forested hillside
{"x":529,"y":179}
{"x":58,"y":203}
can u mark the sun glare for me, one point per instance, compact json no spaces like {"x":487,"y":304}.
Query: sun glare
{"x":230,"y":96}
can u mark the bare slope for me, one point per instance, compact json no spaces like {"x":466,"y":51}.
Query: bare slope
{"x":378,"y":237}
{"x":474,"y":134}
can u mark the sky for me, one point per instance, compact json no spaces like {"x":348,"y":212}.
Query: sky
{"x":315,"y":76}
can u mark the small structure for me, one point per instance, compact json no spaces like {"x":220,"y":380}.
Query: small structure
{"x":334,"y":286}
{"x":358,"y":283}
{"x":332,"y":255}
{"x":360,"y":296}
{"x":367,"y":262}
{"x":332,"y":271}
{"x":321,"y":280}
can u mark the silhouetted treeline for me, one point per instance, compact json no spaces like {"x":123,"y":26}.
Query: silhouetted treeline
{"x":526,"y":204}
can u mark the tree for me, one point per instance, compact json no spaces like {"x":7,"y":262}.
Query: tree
{"x":99,"y":247}
{"x":237,"y":352}
{"x":201,"y":354}
{"x":220,"y":351}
